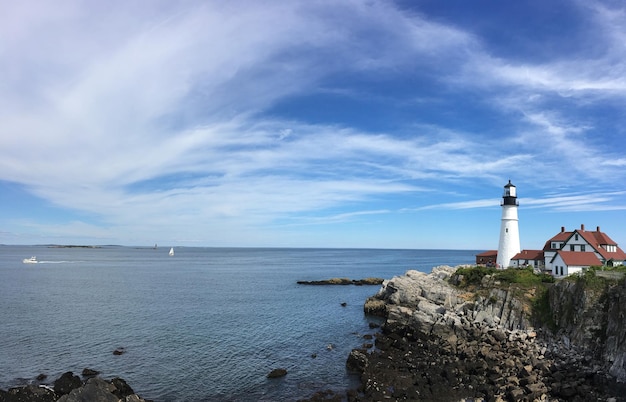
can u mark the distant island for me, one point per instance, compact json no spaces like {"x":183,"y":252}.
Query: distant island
{"x":70,"y":246}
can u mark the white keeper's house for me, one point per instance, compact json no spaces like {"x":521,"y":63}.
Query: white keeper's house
{"x":569,"y":252}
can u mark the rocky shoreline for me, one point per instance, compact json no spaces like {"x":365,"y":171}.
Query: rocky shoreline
{"x":441,"y":342}
{"x":72,"y":388}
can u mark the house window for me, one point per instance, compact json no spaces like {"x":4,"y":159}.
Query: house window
{"x":572,"y":248}
{"x":582,"y":247}
{"x":576,"y":236}
{"x":555,"y":245}
{"x":561,"y":270}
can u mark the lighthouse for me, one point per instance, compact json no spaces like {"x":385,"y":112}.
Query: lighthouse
{"x":509,"y":244}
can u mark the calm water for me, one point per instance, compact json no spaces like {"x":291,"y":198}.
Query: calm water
{"x":206,"y":324}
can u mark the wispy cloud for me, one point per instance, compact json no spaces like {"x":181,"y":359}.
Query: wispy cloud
{"x":485,"y":203}
{"x":160,"y":116}
{"x":609,"y":201}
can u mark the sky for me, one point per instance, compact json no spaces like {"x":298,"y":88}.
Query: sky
{"x":366,"y":124}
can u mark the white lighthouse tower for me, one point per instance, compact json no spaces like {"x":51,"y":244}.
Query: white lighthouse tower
{"x":509,"y":244}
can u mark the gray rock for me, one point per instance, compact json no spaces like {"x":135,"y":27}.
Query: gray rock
{"x":95,"y":390}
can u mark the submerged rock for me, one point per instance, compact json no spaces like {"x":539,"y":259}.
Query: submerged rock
{"x":276,"y":373}
{"x":87,"y":372}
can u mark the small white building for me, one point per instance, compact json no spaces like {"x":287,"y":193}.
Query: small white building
{"x":529,"y":258}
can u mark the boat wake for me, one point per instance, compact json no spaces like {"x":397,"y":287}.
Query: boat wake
{"x":56,"y":262}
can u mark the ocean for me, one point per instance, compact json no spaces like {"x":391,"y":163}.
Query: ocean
{"x":207,"y":324}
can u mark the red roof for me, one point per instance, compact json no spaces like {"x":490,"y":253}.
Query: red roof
{"x":529,"y":255}
{"x":580,"y":258}
{"x":596,"y":239}
{"x":560,"y":237}
{"x":489,"y":253}
{"x":599,"y":239}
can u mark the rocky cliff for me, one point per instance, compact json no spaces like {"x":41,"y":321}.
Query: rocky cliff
{"x":496,"y":340}
{"x":591,"y":313}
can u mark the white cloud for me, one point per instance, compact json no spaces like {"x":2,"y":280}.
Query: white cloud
{"x":151,"y":114}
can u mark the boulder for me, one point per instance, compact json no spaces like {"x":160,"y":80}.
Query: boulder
{"x":94,"y":390}
{"x":29,"y":393}
{"x":357,"y":361}
{"x":69,"y":388}
{"x":276,"y":373}
{"x":66,"y":383}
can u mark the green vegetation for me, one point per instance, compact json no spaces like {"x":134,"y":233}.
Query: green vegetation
{"x":474,"y":275}
{"x":597,"y":277}
{"x":525,"y":277}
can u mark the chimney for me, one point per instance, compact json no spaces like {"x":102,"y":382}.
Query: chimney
{"x":562,"y":229}
{"x":582,"y":227}
{"x":598,"y":229}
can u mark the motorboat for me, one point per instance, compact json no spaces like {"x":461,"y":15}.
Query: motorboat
{"x":31,"y":260}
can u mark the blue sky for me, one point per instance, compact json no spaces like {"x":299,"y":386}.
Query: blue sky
{"x":310,"y":123}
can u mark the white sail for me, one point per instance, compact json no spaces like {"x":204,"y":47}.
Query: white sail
{"x":172,"y":251}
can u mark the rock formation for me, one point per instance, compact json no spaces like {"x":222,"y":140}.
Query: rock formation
{"x":442,"y":342}
{"x":70,"y":388}
{"x":344,"y":281}
{"x":593,"y":316}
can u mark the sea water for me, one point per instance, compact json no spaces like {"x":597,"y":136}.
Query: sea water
{"x":207,"y":324}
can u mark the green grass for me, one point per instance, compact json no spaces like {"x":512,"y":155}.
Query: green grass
{"x":525,"y":277}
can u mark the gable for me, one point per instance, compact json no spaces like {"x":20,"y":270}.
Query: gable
{"x":599,"y":241}
{"x":578,"y":258}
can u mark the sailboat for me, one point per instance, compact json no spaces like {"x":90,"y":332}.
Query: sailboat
{"x":171,"y":251}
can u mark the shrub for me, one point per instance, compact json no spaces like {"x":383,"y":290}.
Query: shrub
{"x":474,"y":275}
{"x":522,"y":276}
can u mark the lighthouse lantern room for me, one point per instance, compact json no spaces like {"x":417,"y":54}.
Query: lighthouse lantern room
{"x":509,"y":243}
